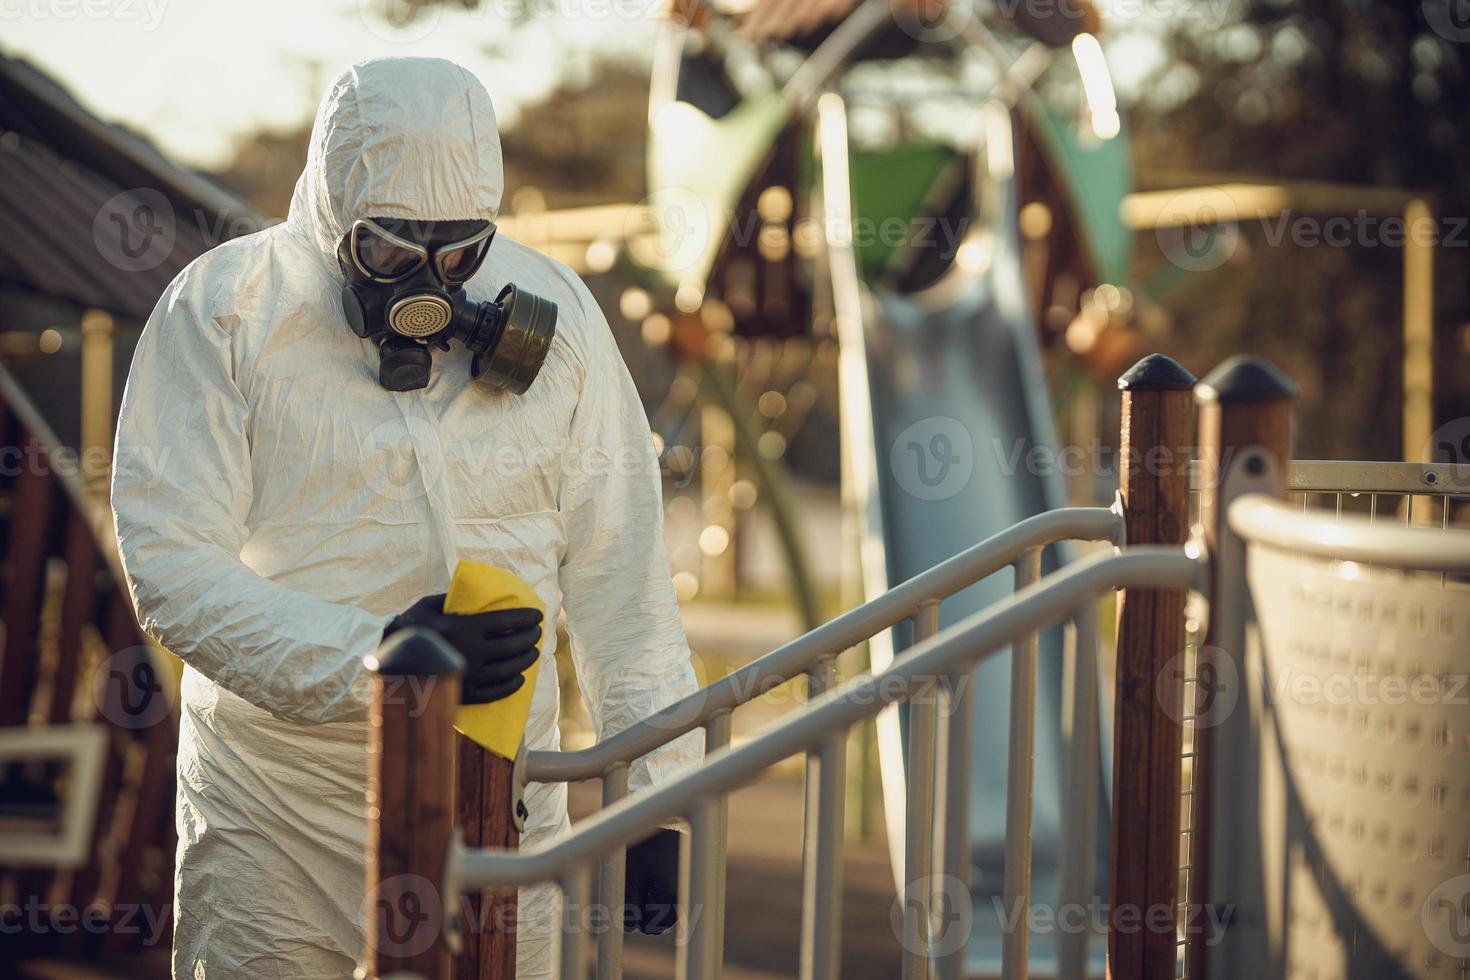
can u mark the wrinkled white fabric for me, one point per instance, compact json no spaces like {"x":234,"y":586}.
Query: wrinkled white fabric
{"x":275,"y":507}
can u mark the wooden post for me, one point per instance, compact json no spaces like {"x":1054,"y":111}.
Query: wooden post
{"x":1242,"y":403}
{"x":33,"y":496}
{"x":1156,"y":447}
{"x":483,"y":811}
{"x":410,"y":805}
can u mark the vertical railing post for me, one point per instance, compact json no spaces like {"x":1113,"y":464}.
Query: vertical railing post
{"x":611,"y":883}
{"x":717,"y":737}
{"x":923,"y":728}
{"x":410,"y":805}
{"x":698,"y":944}
{"x":821,"y":857}
{"x":576,"y":904}
{"x":954,"y":842}
{"x":484,"y":802}
{"x":1156,"y":445}
{"x":1242,"y":403}
{"x":1020,"y":763}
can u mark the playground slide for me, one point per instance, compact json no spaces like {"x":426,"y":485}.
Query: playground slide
{"x":958,"y":403}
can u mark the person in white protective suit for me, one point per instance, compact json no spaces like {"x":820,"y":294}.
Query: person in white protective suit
{"x":293,"y":476}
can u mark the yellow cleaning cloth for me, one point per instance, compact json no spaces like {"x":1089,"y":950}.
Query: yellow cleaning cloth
{"x":477,"y":588}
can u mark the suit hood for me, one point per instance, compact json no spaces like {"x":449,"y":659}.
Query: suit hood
{"x":411,"y":138}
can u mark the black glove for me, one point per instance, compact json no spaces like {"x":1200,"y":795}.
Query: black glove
{"x":496,"y":646}
{"x":651,"y":886}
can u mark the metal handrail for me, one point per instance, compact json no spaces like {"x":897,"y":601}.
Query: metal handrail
{"x":1365,"y":476}
{"x":936,"y":662}
{"x":1268,"y":521}
{"x":814,"y":654}
{"x":1373,"y":476}
{"x":847,"y":630}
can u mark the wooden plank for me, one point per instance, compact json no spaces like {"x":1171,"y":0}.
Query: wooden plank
{"x":25,"y":564}
{"x":410,"y":801}
{"x":78,"y":606}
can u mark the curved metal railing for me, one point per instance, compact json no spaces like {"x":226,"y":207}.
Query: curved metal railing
{"x":814,"y":654}
{"x":932,"y":670}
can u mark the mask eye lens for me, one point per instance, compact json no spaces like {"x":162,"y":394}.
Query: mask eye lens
{"x":381,"y":257}
{"x":457,"y":265}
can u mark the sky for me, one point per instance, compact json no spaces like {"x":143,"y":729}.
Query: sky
{"x":197,"y":76}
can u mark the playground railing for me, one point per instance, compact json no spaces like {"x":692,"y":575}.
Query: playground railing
{"x":932,"y":675}
{"x":814,"y":655}
{"x":1167,"y":723}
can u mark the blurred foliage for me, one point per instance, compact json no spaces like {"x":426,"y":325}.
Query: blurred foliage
{"x":582,"y":144}
{"x":1370,"y":92}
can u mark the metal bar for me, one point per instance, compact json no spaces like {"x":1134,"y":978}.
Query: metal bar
{"x":1371,"y":476}
{"x":697,"y":947}
{"x":821,"y":864}
{"x":954,"y":650}
{"x":576,"y":895}
{"x":716,"y":737}
{"x":919,"y":818}
{"x":1021,"y":751}
{"x":1079,"y":789}
{"x":611,"y":883}
{"x":1374,"y":476}
{"x":1258,"y":517}
{"x":829,"y":639}
{"x":959,"y":733}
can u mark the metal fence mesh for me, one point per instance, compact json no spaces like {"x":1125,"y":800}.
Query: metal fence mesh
{"x":1411,"y":494}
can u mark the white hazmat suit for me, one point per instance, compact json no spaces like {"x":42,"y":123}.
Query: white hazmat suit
{"x":276,"y":507}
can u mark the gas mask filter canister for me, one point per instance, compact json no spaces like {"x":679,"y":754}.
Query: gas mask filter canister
{"x":409,"y":300}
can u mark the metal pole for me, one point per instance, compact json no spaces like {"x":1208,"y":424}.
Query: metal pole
{"x":1022,"y":750}
{"x":576,"y":892}
{"x":716,"y":737}
{"x":919,"y":818}
{"x":611,"y":883}
{"x":697,"y":927}
{"x":1245,"y":402}
{"x":959,"y":734}
{"x":1077,"y":854}
{"x":821,"y":865}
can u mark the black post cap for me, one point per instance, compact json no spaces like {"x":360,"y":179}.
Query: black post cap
{"x":1156,"y":372}
{"x":1245,"y":379}
{"x":415,"y":652}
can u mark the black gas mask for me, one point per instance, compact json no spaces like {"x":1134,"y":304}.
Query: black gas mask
{"x":404,"y":291}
